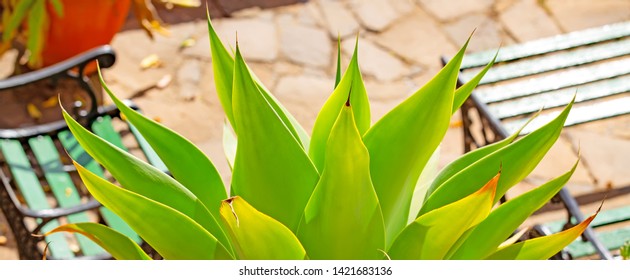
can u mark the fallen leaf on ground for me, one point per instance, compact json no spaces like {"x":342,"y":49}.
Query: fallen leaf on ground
{"x":151,"y":61}
{"x":188,"y":42}
{"x":456,"y":124}
{"x":184,"y":3}
{"x":164,"y":81}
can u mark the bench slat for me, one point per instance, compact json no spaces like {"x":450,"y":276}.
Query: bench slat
{"x":569,"y":78}
{"x":82,"y":157}
{"x":546,"y":45}
{"x":610,"y":239}
{"x":530,"y":104}
{"x":152,"y":157}
{"x":28,"y":184}
{"x":62,"y":187}
{"x":553,"y":62}
{"x":104,"y":128}
{"x":578,"y":115}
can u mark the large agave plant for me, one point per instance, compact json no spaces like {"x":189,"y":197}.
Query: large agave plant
{"x":345,"y":192}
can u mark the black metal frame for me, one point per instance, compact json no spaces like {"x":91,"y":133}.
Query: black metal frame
{"x":15,"y":211}
{"x":490,"y":124}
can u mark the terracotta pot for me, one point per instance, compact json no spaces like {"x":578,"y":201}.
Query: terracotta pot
{"x":85,"y":24}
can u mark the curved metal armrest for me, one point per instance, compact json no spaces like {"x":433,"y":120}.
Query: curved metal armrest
{"x":104,"y":54}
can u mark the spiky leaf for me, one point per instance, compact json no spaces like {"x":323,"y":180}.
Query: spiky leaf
{"x":120,"y":246}
{"x":257,"y":236}
{"x":343,"y":219}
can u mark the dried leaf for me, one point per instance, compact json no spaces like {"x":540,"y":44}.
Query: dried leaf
{"x":151,"y":61}
{"x":33,"y":111}
{"x":188,"y":42}
{"x":183,"y":3}
{"x":164,"y":81}
{"x":50,"y":102}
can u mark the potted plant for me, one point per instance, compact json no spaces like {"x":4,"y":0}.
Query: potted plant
{"x":54,"y":30}
{"x":343,"y":192}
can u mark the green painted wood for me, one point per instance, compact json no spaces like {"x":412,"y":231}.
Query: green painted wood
{"x":148,"y":151}
{"x":31,"y":189}
{"x":551,"y":44}
{"x":611,"y":240}
{"x":62,"y":187}
{"x":556,"y":61}
{"x":558,"y":98}
{"x":604,"y":218}
{"x":77,"y":153}
{"x":579,"y":114}
{"x":104,"y":128}
{"x":572,"y":77}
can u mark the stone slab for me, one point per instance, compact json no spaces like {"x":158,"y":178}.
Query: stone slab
{"x":581,"y":14}
{"x":559,"y":160}
{"x":257,"y":38}
{"x":340,"y":21}
{"x":408,"y":39}
{"x":526,"y":20}
{"x":450,"y":10}
{"x":374,"y":15}
{"x":304,"y":96}
{"x":374,"y":61}
{"x":608,"y":158}
{"x":305,"y":45}
{"x":487,"y":33}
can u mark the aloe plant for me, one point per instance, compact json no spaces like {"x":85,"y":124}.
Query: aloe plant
{"x":624,"y":250}
{"x":345,"y":192}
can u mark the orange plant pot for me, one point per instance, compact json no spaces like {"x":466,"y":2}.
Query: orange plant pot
{"x":85,"y":24}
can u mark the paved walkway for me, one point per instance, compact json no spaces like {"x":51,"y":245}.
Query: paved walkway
{"x":292,"y":49}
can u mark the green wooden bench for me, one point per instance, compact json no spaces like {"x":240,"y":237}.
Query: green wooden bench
{"x":546,"y":73}
{"x":41,"y":189}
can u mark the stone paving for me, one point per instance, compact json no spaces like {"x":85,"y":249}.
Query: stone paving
{"x":292,"y":49}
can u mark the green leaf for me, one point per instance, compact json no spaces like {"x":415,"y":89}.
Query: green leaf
{"x":343,"y":219}
{"x":171,"y":233}
{"x":542,"y":248}
{"x":229,"y":144}
{"x":37,"y":20}
{"x":463,"y":92}
{"x":486,"y":237}
{"x":120,"y":246}
{"x":144,"y":179}
{"x":271,"y":170}
{"x":402,"y":142}
{"x":189,"y":165}
{"x":257,"y":236}
{"x":350,"y":85}
{"x":517,"y":159}
{"x":223,"y":67}
{"x":432,"y":235}
{"x":58,"y":7}
{"x":21,"y":10}
{"x":338,"y":72}
{"x":471,"y":157}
